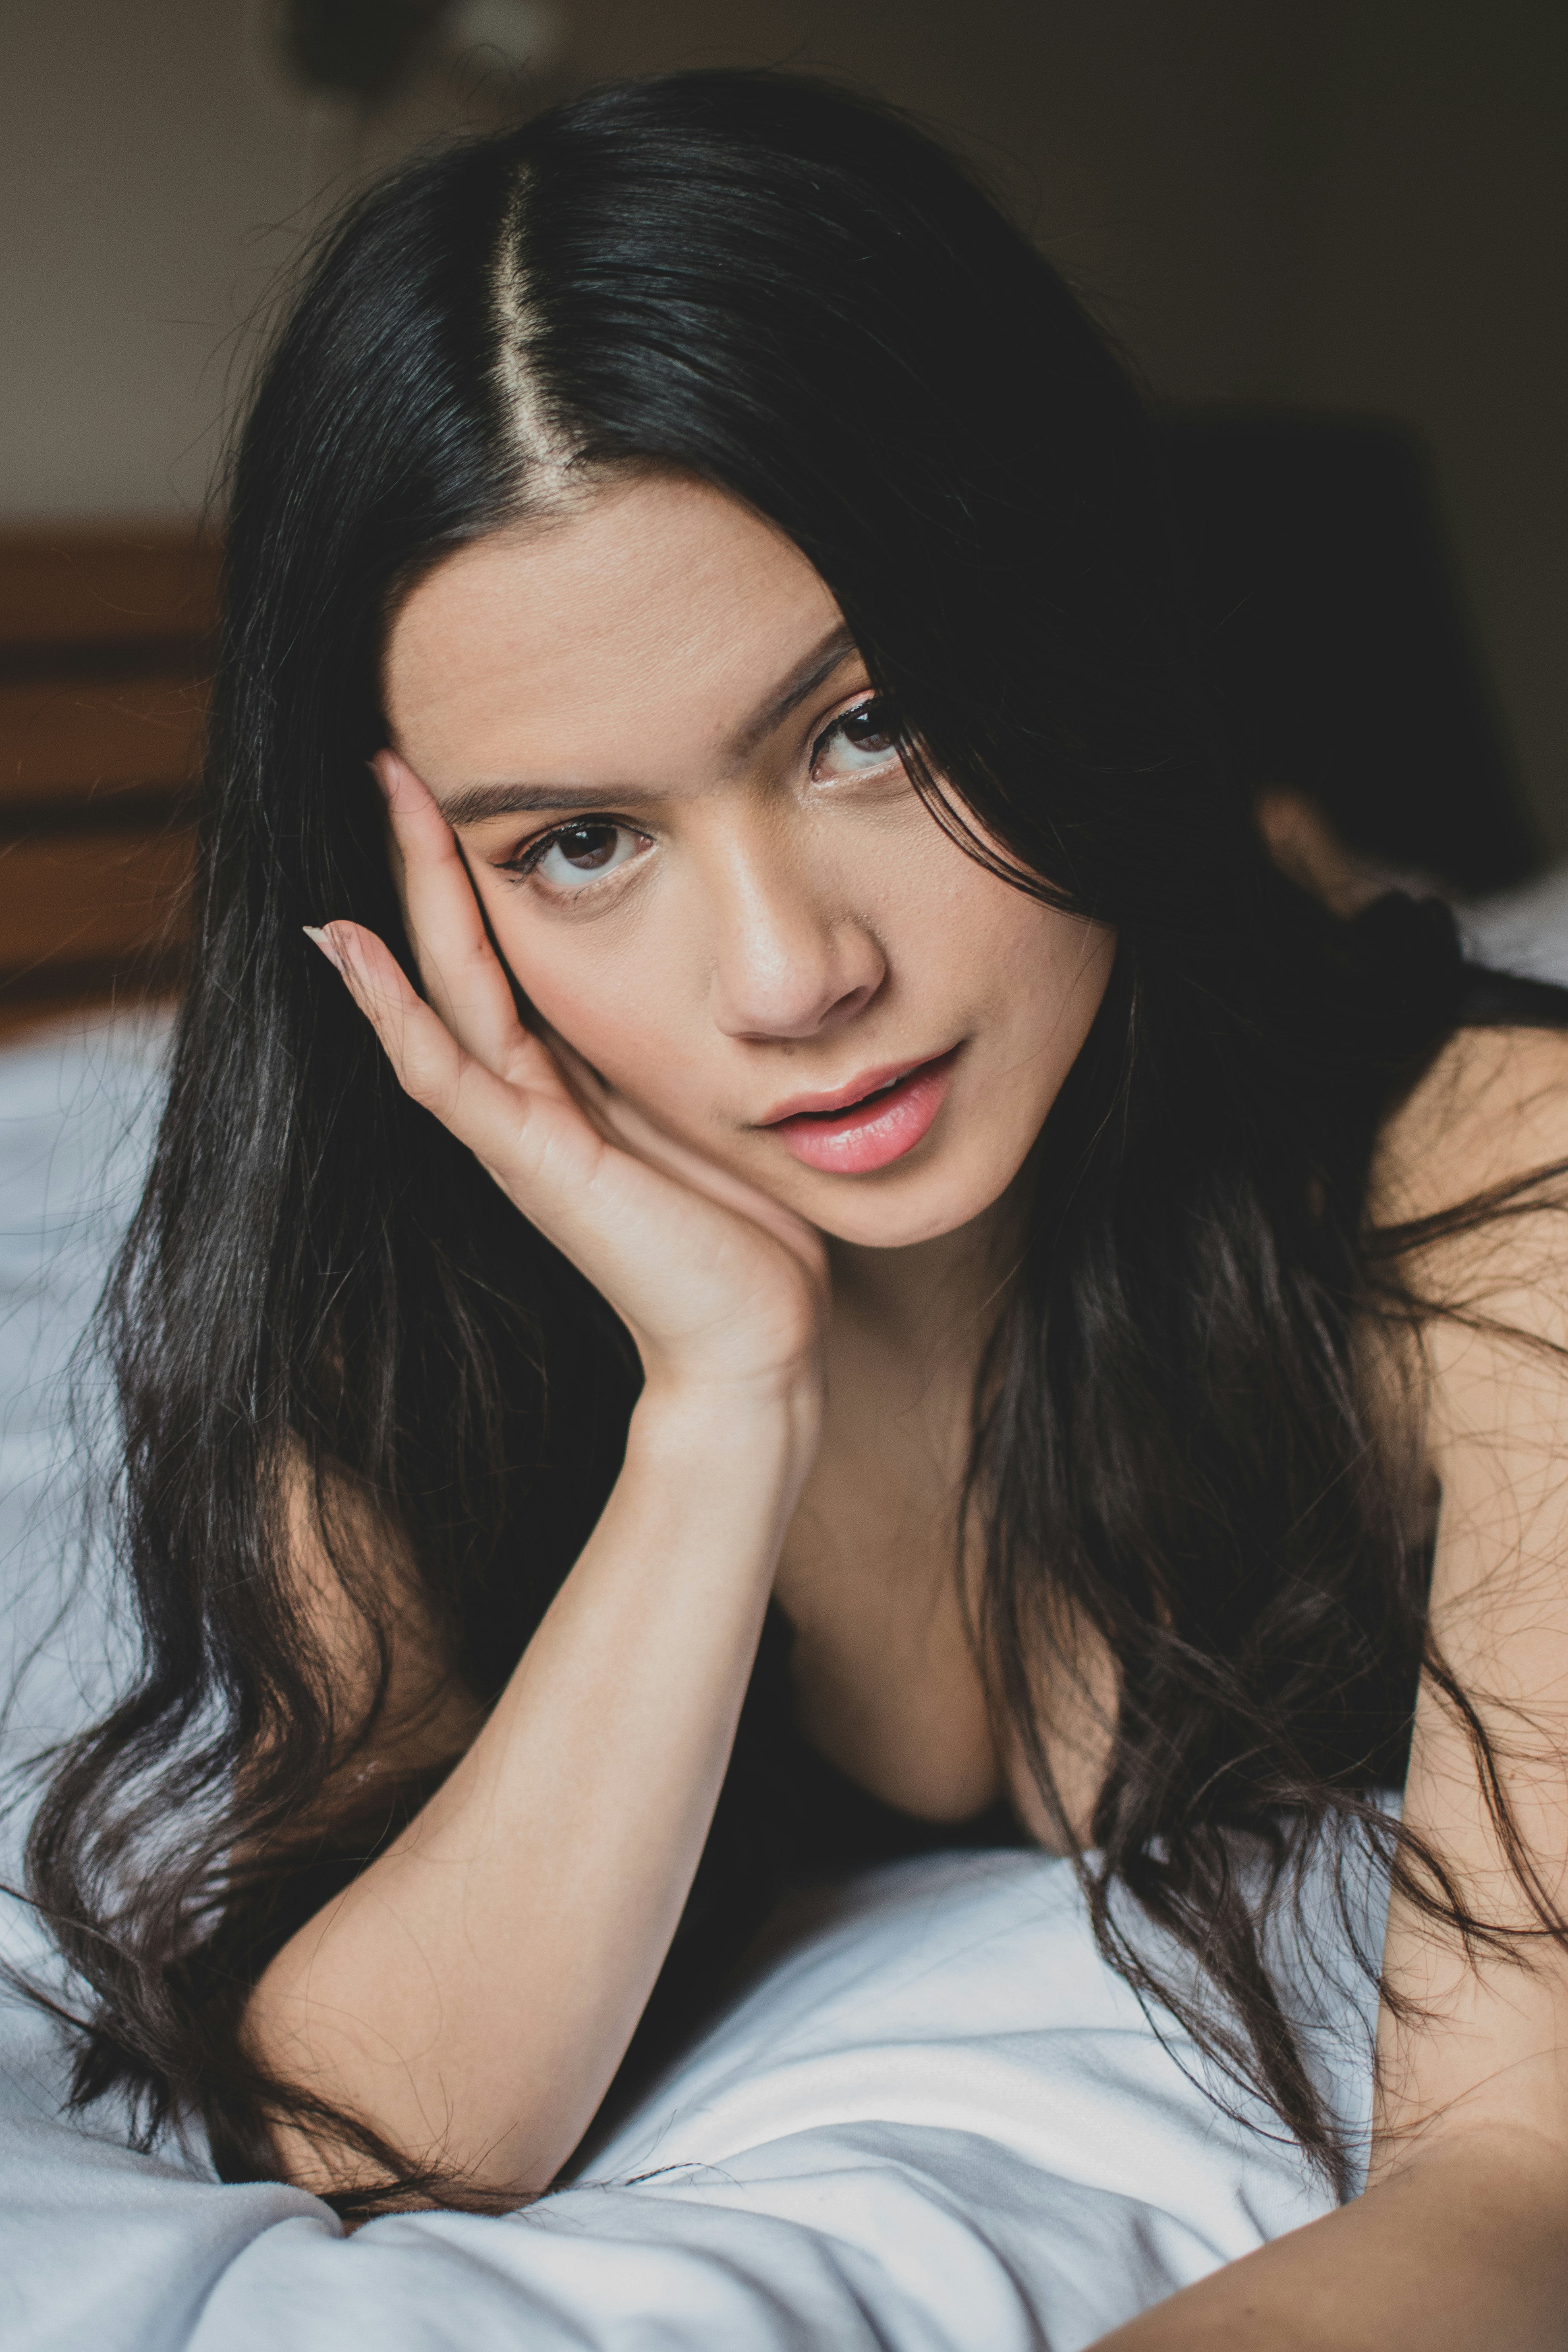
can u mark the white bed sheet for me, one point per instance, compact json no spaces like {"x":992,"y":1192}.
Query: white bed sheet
{"x":938,"y":2123}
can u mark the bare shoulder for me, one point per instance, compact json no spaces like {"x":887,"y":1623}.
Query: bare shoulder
{"x":1492,"y":1110}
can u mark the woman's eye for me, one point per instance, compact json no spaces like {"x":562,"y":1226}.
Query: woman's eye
{"x":575,"y":854}
{"x":856,"y":745}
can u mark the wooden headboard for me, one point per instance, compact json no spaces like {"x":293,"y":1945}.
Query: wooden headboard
{"x":105,"y":637}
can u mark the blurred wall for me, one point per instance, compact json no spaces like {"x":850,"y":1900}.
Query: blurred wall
{"x":1433,"y":287}
{"x":1357,"y":203}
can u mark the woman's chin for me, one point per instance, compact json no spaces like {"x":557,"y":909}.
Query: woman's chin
{"x":872,"y":1214}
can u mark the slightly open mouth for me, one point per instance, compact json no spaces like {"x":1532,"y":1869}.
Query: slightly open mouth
{"x":854,"y":1139}
{"x":827,"y":1117}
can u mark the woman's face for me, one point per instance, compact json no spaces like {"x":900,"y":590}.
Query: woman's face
{"x":710,"y":875}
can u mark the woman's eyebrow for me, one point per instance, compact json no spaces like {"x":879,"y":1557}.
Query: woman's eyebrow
{"x":805,"y":678}
{"x":474,"y":804}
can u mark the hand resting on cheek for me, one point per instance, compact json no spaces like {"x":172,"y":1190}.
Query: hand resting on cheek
{"x":716,"y":1282}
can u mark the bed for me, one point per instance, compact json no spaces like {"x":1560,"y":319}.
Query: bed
{"x":937,"y":2121}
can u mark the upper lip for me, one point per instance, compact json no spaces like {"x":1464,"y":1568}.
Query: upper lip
{"x":885,"y":1074}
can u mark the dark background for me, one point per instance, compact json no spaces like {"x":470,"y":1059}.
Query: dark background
{"x":1318,"y":207}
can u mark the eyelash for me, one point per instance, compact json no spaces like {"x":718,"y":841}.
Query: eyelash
{"x":856,"y":710}
{"x":523,"y":864}
{"x":528,"y":858}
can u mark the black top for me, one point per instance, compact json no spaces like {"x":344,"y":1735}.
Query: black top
{"x":1499,"y":1000}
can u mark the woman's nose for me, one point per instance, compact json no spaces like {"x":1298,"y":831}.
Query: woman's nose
{"x":790,"y":960}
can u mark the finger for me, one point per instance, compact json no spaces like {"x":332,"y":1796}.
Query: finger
{"x":458,"y":966}
{"x":510,"y":1128}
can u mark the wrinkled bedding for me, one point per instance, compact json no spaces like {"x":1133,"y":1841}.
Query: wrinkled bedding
{"x":938,"y":2121}
{"x":941,"y":2122}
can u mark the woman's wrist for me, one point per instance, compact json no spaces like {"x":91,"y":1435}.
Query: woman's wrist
{"x":717,"y":1432}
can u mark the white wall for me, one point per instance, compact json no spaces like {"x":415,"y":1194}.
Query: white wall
{"x":1353,"y":201}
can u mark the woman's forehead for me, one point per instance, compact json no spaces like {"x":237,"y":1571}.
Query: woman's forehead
{"x":653,"y":614}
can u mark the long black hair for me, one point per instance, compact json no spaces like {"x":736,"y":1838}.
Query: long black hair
{"x":795,"y":294}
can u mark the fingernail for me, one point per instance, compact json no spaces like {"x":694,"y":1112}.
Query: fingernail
{"x":324,"y":943}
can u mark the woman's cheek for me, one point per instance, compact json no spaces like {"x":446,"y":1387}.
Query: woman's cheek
{"x":573,"y":994}
{"x":607,"y":1017}
{"x":587,"y":1019}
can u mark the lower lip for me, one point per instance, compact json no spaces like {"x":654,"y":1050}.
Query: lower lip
{"x":874,"y":1133}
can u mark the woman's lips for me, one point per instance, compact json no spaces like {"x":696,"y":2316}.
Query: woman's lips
{"x":855,"y":1137}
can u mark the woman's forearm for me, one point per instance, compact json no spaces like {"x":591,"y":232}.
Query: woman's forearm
{"x":1465,"y":2246}
{"x":473,"y":1993}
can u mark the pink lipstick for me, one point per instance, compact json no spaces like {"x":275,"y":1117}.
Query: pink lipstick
{"x":868,"y":1124}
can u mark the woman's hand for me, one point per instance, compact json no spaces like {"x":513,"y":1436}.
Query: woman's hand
{"x":721,"y":1287}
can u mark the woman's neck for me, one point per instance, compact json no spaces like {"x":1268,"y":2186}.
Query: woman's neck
{"x":931,"y":1299}
{"x":885,"y":1679}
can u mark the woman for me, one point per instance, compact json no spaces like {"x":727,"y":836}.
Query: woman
{"x":844,"y":1270}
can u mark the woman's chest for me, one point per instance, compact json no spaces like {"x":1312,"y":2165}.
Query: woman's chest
{"x":885,"y":1592}
{"x":886,"y":1681}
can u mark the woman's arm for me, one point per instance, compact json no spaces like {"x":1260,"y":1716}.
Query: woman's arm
{"x":1463,"y":2250}
{"x":471,"y":1993}
{"x":1461,"y":2239}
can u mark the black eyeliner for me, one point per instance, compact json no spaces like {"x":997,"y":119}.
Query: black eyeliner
{"x":528,"y":858}
{"x":853,"y":712}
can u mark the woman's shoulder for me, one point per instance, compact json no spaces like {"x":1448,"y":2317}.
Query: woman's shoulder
{"x":1489,"y":1111}
{"x":1471,"y":1188}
